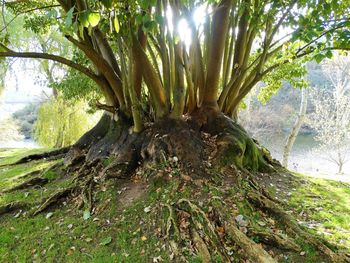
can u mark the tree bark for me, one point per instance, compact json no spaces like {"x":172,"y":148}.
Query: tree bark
{"x":220,"y":26}
{"x":295,"y":130}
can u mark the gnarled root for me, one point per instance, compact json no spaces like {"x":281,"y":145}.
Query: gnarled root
{"x":276,"y":240}
{"x":51,"y":155}
{"x":35,"y":181}
{"x":253,"y":251}
{"x":209,"y":235}
{"x":267,"y":205}
{"x":10,"y":207}
{"x":53,"y":199}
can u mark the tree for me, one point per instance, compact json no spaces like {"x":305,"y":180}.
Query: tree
{"x":60,"y":124}
{"x":126,"y":43}
{"x":331,"y":119}
{"x":163,"y":93}
{"x":296,"y":127}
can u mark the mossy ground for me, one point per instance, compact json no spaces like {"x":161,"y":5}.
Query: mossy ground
{"x":129,"y":220}
{"x":324,"y":207}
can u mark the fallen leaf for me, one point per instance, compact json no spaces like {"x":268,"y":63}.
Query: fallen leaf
{"x":106,"y":241}
{"x":143,"y":238}
{"x":147,"y":209}
{"x":48,"y":215}
{"x":86,"y":215}
{"x":261,"y":223}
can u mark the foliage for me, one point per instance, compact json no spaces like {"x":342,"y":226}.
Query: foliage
{"x":136,"y":51}
{"x":26,"y":118}
{"x":294,"y":74}
{"x":61,"y":124}
{"x":9,"y":130}
{"x":74,"y":86}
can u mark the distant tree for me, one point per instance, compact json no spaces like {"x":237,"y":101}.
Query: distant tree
{"x":331,"y":118}
{"x":60,"y":123}
{"x":296,"y":127}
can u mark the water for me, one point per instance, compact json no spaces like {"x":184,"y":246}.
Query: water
{"x":306,"y":158}
{"x":19,"y":144}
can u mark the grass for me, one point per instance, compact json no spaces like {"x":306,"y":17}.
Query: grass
{"x":117,"y":233}
{"x":112,"y":235}
{"x":323,"y":206}
{"x":8,"y":156}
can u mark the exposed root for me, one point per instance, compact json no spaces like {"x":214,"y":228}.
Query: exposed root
{"x":86,"y":193}
{"x":276,"y":240}
{"x":10,"y":207}
{"x":171,"y":223}
{"x":265,"y":204}
{"x":202,"y":248}
{"x":52,"y":155}
{"x":31,"y":174}
{"x":211,"y":231}
{"x":53,"y":199}
{"x":177,"y":146}
{"x":253,"y":251}
{"x":35,"y":181}
{"x":86,"y":169}
{"x":116,"y":170}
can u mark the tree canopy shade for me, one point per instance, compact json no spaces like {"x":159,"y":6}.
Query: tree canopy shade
{"x":137,"y":54}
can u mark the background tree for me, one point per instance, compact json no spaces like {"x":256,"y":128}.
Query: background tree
{"x":331,"y":118}
{"x":61,"y":124}
{"x":296,"y":127}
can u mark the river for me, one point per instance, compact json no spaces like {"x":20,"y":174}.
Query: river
{"x":306,"y":158}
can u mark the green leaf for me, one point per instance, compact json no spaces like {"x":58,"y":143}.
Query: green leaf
{"x":69,"y":17}
{"x":52,"y":14}
{"x":86,"y":215}
{"x":81,"y":31}
{"x":84,"y":19}
{"x":144,"y":4}
{"x":93,"y":19}
{"x":160,"y":19}
{"x":106,"y":241}
{"x":319,"y":57}
{"x":116,"y":24}
{"x":329,"y":54}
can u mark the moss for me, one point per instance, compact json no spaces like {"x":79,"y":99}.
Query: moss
{"x":238,"y":148}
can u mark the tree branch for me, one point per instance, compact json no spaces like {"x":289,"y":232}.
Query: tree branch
{"x":52,"y":57}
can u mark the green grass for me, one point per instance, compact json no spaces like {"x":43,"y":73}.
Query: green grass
{"x":113,"y":235}
{"x":67,"y":237}
{"x":8,"y":156}
{"x":324,"y":207}
{"x":128,"y":234}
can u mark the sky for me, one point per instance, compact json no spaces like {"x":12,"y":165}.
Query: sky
{"x":20,"y":89}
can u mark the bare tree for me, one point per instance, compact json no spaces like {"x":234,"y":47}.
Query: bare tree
{"x":331,"y":118}
{"x":295,"y":130}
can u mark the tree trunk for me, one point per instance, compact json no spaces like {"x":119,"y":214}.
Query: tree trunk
{"x":295,"y":130}
{"x":340,"y":168}
{"x":340,"y":162}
